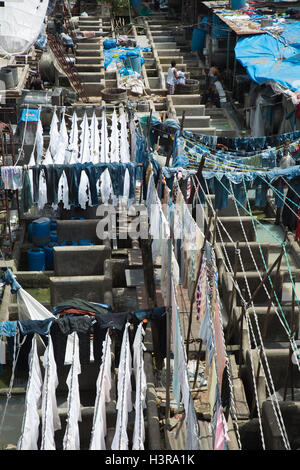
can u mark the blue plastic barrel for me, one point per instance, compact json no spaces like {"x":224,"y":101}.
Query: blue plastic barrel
{"x":237,"y":4}
{"x":77,"y":218}
{"x":41,"y":231}
{"x":53,"y":236}
{"x":29,"y":231}
{"x":53,"y":225}
{"x":133,"y":61}
{"x":85,"y":241}
{"x":69,"y":243}
{"x":198,"y":39}
{"x":50,"y":255}
{"x":36,"y":259}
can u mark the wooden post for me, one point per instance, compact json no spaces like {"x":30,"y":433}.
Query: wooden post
{"x":243,"y":315}
{"x":182,"y":122}
{"x":290,"y":365}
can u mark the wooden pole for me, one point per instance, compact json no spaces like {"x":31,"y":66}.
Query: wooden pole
{"x":168,"y":339}
{"x":182,"y":122}
{"x":290,"y":366}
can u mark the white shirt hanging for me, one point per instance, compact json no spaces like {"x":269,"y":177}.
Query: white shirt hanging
{"x":39,"y":142}
{"x":71,"y":439}
{"x":124,"y":403}
{"x":85,"y":153}
{"x":95,"y":139}
{"x":73,"y":140}
{"x":31,"y":419}
{"x":103,"y":387}
{"x":54,"y":135}
{"x":114,"y":139}
{"x":50,"y":416}
{"x":141,"y":389}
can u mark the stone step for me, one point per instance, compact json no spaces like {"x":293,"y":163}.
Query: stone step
{"x":90,"y":28}
{"x":88,"y":52}
{"x":85,"y":60}
{"x":92,"y":77}
{"x":170,"y":53}
{"x":89,"y":68}
{"x":93,"y":89}
{"x":185,"y":99}
{"x":165,"y":45}
{"x":92,"y":46}
{"x":190,"y":110}
{"x":201,"y":130}
{"x":195,"y":121}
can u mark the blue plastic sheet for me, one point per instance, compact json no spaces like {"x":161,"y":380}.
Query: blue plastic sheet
{"x":267,"y":58}
{"x":119,"y":54}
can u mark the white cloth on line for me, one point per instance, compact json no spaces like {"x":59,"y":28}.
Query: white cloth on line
{"x":63,"y":191}
{"x":54,"y":135}
{"x":141,"y":389}
{"x":114,"y":139}
{"x":31,"y":419}
{"x":12,"y":177}
{"x":95,"y":139}
{"x":39,"y":142}
{"x":50,"y":416}
{"x":103,"y":387}
{"x":84,"y":193}
{"x":124,"y":403}
{"x":73,"y":140}
{"x":2,"y":352}
{"x":29,"y":308}
{"x":85,"y":153}
{"x":124,"y":145}
{"x":71,"y":439}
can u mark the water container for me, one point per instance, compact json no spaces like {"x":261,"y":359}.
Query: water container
{"x":53,"y":225}
{"x":41,"y":231}
{"x":50,"y":255}
{"x":198,"y":39}
{"x":77,"y":218}
{"x":238,"y":4}
{"x":85,"y":241}
{"x":29,"y":232}
{"x":36,"y":259}
{"x":14,"y":70}
{"x":6,"y":76}
{"x":53,"y":236}
{"x":133,"y":60}
{"x":69,"y":243}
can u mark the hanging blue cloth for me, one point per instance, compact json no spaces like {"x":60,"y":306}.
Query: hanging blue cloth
{"x":9,"y":278}
{"x":8,"y":328}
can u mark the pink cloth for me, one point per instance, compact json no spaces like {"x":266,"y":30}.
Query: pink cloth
{"x":221,"y":436}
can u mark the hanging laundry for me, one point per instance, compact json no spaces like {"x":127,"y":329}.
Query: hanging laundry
{"x":54,"y":135}
{"x":71,"y":439}
{"x":8,"y":328}
{"x":105,"y":180}
{"x":59,"y":157}
{"x":29,"y":308}
{"x":48,"y":160}
{"x":124,"y":150}
{"x":31,"y":419}
{"x":12,"y":177}
{"x":221,"y":433}
{"x":63,"y":191}
{"x":73,"y":140}
{"x":84,"y":193}
{"x":50,"y":417}
{"x":26,"y":201}
{"x":114,"y":139}
{"x":124,"y":403}
{"x":39,"y":142}
{"x":85,"y":153}
{"x":42,"y":201}
{"x":192,"y":441}
{"x":141,"y":389}
{"x":103,"y":387}
{"x":95,"y":139}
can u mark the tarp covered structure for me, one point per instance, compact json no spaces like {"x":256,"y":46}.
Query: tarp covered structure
{"x":268,"y":58}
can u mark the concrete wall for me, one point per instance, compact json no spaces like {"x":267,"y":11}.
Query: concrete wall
{"x":75,"y":230}
{"x":80,"y":260}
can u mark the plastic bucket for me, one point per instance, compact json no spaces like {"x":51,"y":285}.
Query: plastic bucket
{"x":85,"y":242}
{"x":238,"y":4}
{"x":133,"y":62}
{"x":53,"y":236}
{"x":198,"y":39}
{"x":36,"y":259}
{"x":49,"y":255}
{"x":41,"y":231}
{"x":69,"y":243}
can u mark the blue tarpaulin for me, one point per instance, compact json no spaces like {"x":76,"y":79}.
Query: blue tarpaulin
{"x":267,"y":58}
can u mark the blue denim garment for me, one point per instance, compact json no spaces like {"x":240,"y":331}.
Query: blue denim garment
{"x":221,"y":193}
{"x":41,"y":327}
{"x":8,"y":328}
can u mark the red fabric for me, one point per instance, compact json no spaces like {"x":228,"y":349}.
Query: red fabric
{"x":74,"y":310}
{"x":298,"y":111}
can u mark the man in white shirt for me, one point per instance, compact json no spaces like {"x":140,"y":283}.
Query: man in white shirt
{"x":171,"y":78}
